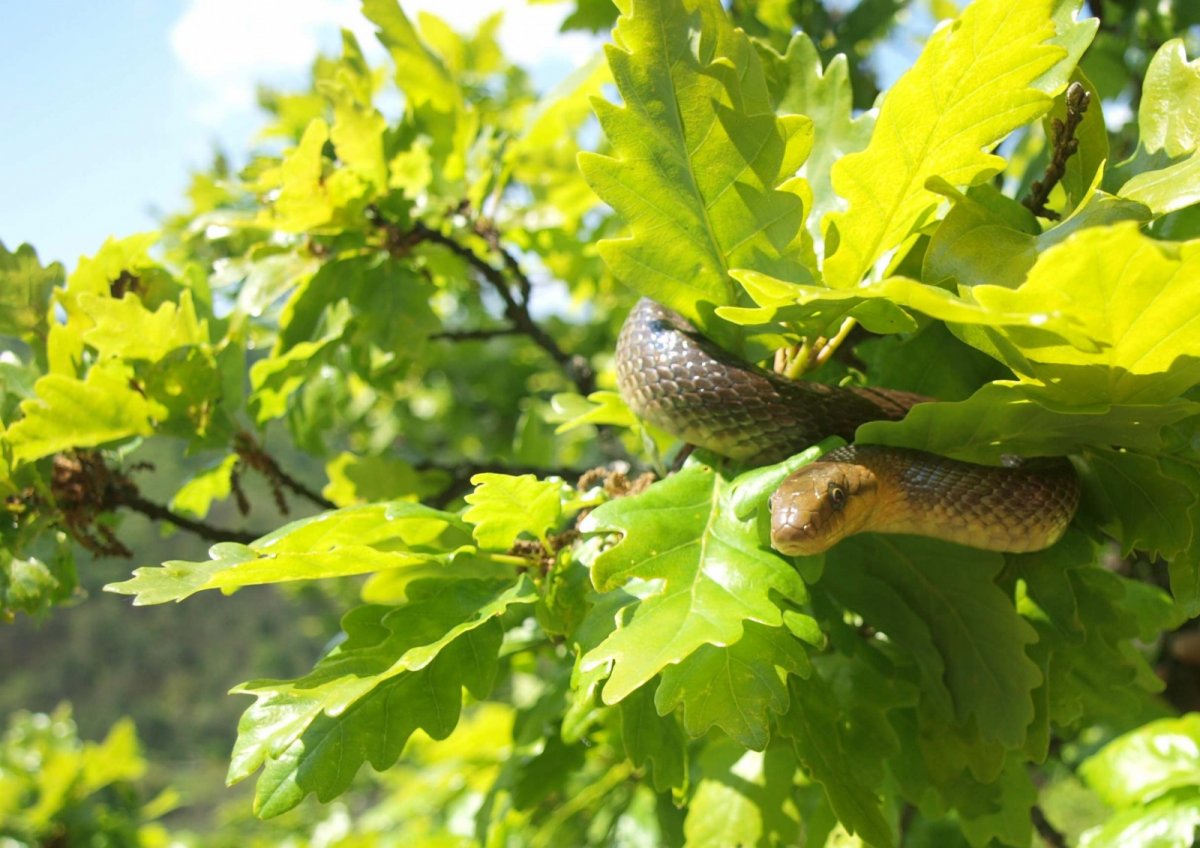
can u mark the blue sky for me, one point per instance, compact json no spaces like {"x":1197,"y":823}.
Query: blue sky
{"x":97,"y":127}
{"x":108,"y":106}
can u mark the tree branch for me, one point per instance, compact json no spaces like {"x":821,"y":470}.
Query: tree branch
{"x":300,"y":489}
{"x":1047,"y":831}
{"x":1065,"y":145}
{"x":252,"y":453}
{"x":516,"y":310}
{"x":83,"y":487}
{"x":475,"y":335}
{"x":134,"y":501}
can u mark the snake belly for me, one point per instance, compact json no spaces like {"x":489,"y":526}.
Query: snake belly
{"x":679,"y":381}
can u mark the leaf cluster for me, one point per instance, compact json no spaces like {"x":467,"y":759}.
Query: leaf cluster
{"x":545,"y":656}
{"x":55,"y":788}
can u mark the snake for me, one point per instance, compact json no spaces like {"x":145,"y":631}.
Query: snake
{"x":676,"y":379}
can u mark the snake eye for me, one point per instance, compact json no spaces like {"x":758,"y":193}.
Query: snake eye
{"x":837,"y":496}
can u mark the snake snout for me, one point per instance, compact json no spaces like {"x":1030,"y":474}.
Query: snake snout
{"x":796,"y":528}
{"x":818,"y":506}
{"x":795,"y":534}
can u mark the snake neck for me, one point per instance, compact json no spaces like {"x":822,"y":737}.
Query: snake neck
{"x":1016,"y":510}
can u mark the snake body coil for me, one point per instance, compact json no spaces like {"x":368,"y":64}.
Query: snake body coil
{"x":674,"y":378}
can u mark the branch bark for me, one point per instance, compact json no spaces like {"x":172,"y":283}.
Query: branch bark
{"x":516,"y":309}
{"x":133,"y":500}
{"x":1065,"y":145}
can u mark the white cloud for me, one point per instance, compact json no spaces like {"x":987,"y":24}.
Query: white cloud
{"x":230,"y":46}
{"x":528,"y":34}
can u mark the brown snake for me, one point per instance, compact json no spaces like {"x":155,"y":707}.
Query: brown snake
{"x":679,"y":381}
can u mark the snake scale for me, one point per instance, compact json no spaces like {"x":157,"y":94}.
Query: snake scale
{"x":679,"y":381}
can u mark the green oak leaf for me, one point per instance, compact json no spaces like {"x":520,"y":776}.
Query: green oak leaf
{"x":17,"y":380}
{"x":779,"y":300}
{"x":313,"y":734}
{"x":654,"y":740}
{"x":1147,"y":762}
{"x":124,"y":327}
{"x":743,"y":798}
{"x":1007,"y":417}
{"x":265,"y":277}
{"x":973,"y":84}
{"x":96,"y":274}
{"x":1007,"y":821}
{"x":1183,"y":466}
{"x":939,"y":603}
{"x":538,"y":778}
{"x":1169,"y":128}
{"x":824,"y":95}
{"x":902,"y":362}
{"x":702,"y":169}
{"x":186,"y":383}
{"x":592,"y":15}
{"x":735,"y":688}
{"x":1167,"y":822}
{"x":699,"y":570}
{"x":1168,"y":189}
{"x":604,"y":407}
{"x":353,"y":479}
{"x":435,"y":103}
{"x":303,"y":202}
{"x":543,"y":155}
{"x":839,"y":730}
{"x":1073,"y":36}
{"x":989,"y":238}
{"x":503,"y":507}
{"x":385,"y":304}
{"x":31,"y":585}
{"x":67,"y":413}
{"x":1169,"y":111}
{"x":1139,"y":298}
{"x":1087,"y":622}
{"x":358,"y":127}
{"x":419,"y":71}
{"x":214,"y":483}
{"x":1151,"y":777}
{"x":392,"y":310}
{"x":354,"y":540}
{"x":276,"y":378}
{"x":25,"y":286}
{"x":1145,"y":502}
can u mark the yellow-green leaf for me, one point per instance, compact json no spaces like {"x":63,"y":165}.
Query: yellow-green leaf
{"x":973,"y":84}
{"x":503,"y":507}
{"x":69,"y":413}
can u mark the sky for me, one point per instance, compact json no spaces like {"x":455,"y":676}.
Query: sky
{"x":108,"y":106}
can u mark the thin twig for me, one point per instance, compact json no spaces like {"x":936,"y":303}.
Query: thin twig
{"x":303,"y":491}
{"x":1047,"y":831}
{"x":794,"y":361}
{"x":492,"y":236}
{"x":252,"y":453}
{"x":476,"y":335}
{"x":1065,"y":145}
{"x":134,"y":501}
{"x":516,"y":310}
{"x":829,"y":348}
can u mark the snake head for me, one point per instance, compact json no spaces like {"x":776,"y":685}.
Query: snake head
{"x":819,"y":505}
